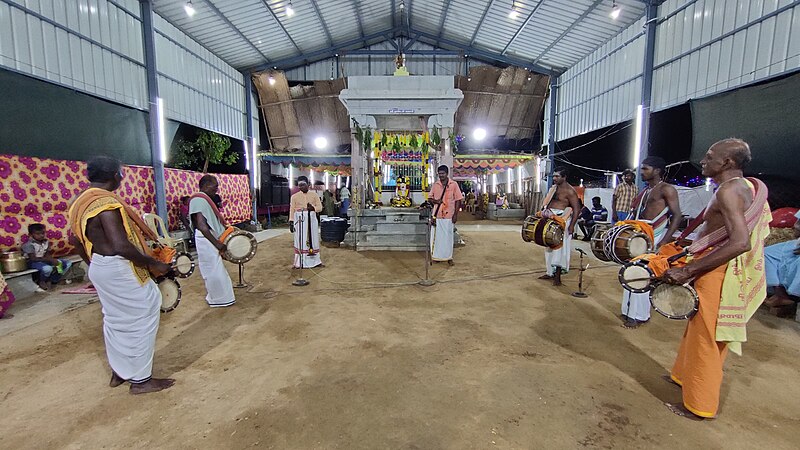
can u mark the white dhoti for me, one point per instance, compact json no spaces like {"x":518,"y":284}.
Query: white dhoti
{"x":219,"y":286}
{"x":637,"y":306}
{"x":131,"y":313}
{"x":306,"y":240}
{"x":560,"y":257}
{"x":442,"y":240}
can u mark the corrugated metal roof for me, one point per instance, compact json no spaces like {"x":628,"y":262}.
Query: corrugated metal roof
{"x":508,"y":103}
{"x":259,"y":33}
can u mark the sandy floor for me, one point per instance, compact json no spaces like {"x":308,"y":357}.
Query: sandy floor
{"x":348,"y":362}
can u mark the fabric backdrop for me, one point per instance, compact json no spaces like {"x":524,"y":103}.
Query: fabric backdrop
{"x":36,"y":190}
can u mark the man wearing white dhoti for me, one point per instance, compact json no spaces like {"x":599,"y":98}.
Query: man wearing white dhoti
{"x":208,"y":227}
{"x":304,"y":206}
{"x":109,"y":236}
{"x":446,"y":197}
{"x":658,"y":206}
{"x":560,"y":204}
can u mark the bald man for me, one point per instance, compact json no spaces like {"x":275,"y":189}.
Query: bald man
{"x":727,"y":270}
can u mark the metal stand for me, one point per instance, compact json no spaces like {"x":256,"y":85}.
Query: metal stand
{"x":300,"y":281}
{"x":428,"y":258}
{"x":241,"y":283}
{"x":580,"y":293}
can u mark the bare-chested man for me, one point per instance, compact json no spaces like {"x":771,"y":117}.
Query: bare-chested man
{"x":560,"y":201}
{"x":658,"y":205}
{"x":104,"y":234}
{"x":729,"y":293}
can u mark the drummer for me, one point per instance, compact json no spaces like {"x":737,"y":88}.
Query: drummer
{"x":104,"y":230}
{"x":561,"y":201}
{"x":208,"y":225}
{"x":658,"y":205}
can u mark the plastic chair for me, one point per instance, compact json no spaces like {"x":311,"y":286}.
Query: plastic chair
{"x":156,"y":223}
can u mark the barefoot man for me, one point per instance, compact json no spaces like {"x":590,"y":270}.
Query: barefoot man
{"x":728,"y":272}
{"x":783,"y":269}
{"x":208,"y":227}
{"x":303,"y":223}
{"x":446,"y":197}
{"x":107,"y":234}
{"x":657,"y":205}
{"x":560,"y":203}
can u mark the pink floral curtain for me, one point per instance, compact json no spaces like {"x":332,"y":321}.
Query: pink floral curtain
{"x":36,"y":190}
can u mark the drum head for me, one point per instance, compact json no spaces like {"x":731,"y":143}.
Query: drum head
{"x":636,"y":278}
{"x":674,"y":301}
{"x":241,"y":247}
{"x":170,"y":294}
{"x":527,"y":228}
{"x":638,"y":245}
{"x":184,"y":265}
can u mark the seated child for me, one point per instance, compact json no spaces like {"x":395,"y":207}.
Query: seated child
{"x":40,"y":257}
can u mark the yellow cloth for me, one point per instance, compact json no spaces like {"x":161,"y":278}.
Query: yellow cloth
{"x":90,"y":204}
{"x":639,"y":226}
{"x":300,"y":200}
{"x":744,"y":288}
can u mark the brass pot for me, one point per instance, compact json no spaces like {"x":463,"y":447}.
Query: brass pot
{"x":13,"y":261}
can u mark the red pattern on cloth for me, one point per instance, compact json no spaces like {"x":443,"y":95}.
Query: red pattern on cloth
{"x":37,"y":190}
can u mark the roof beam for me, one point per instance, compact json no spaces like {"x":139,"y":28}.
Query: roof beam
{"x":570,"y":28}
{"x":280,"y":24}
{"x":522,"y":27}
{"x":329,"y":52}
{"x":219,"y":14}
{"x":411,"y":41}
{"x":408,"y":17}
{"x":394,"y":14}
{"x":490,"y":56}
{"x":444,"y":17}
{"x":322,"y":22}
{"x":359,"y":20}
{"x":480,"y":23}
{"x":437,"y":52}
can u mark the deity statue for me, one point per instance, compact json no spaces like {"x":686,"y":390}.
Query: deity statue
{"x":402,"y":194}
{"x":501,"y":201}
{"x":400,"y":62}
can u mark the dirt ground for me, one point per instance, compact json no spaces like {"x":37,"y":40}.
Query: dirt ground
{"x":489,"y":357}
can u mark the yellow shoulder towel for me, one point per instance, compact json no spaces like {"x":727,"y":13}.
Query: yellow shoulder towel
{"x":744,"y":287}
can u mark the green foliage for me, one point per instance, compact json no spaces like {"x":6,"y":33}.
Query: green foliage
{"x":414,"y":143}
{"x":209,"y":148}
{"x":367,"y":139}
{"x":436,"y":139}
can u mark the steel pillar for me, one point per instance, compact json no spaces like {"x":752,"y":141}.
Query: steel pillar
{"x":250,"y":145}
{"x":551,"y":140}
{"x":157,"y":122}
{"x":651,"y":14}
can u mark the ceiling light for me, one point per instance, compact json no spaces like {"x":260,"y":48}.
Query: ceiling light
{"x":479,"y":134}
{"x":271,"y":80}
{"x":189,"y":8}
{"x":320,"y":142}
{"x":615,"y":10}
{"x":402,"y":5}
{"x":529,"y":77}
{"x":513,"y":14}
{"x":469,"y":78}
{"x":289,"y":10}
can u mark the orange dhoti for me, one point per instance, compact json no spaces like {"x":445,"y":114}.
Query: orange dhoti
{"x":698,"y":367}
